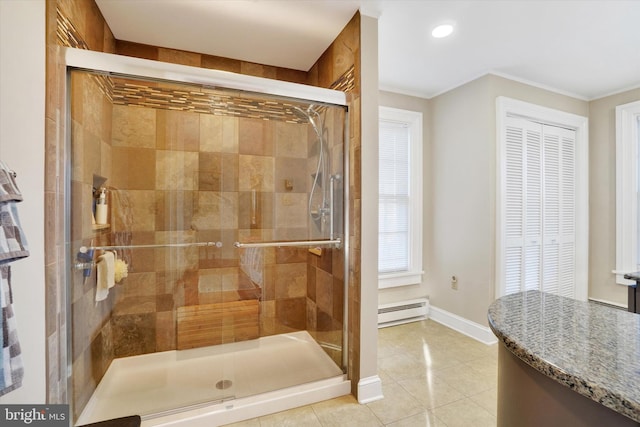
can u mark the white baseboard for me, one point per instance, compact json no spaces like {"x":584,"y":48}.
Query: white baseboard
{"x":369,"y":389}
{"x":464,"y":326}
{"x":613,"y":304}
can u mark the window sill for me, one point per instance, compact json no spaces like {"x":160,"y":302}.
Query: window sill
{"x":400,"y":279}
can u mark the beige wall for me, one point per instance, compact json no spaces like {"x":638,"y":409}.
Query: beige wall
{"x":368,"y":383}
{"x":602,"y":197}
{"x":461,"y":176}
{"x":459,"y":191}
{"x":411,"y":103}
{"x":22,"y":85}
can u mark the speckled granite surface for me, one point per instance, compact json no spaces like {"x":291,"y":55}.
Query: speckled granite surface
{"x":592,"y":349}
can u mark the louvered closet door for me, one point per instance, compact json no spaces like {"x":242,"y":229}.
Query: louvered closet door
{"x":559,"y":213}
{"x":539,"y":208}
{"x":523,"y":209}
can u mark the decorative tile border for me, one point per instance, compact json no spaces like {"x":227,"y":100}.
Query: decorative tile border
{"x":195,"y":99}
{"x":67,"y":33}
{"x":201,"y":100}
{"x":347,"y":81}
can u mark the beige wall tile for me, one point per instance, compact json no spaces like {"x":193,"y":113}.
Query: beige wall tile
{"x":135,"y":305}
{"x":136,"y":284}
{"x":255,"y":137}
{"x":291,"y":314}
{"x":324,"y":291}
{"x":290,"y":280}
{"x":215,"y":210}
{"x":91,"y":156}
{"x":173,"y":210}
{"x":142,"y":260}
{"x":179,"y":57}
{"x":291,"y":140}
{"x":291,"y":210}
{"x":220,"y":63}
{"x":92,"y":105}
{"x":218,"y":172}
{"x":176,"y":170}
{"x":259,"y":70}
{"x":293,"y":172}
{"x":134,"y":334}
{"x":133,"y":168}
{"x":77,"y":151}
{"x":218,"y":134}
{"x":165,"y":331}
{"x":218,"y":280}
{"x":256,"y":173}
{"x":177,"y":259}
{"x":132,"y":210}
{"x":106,"y":160}
{"x":255,"y":210}
{"x":135,"y":49}
{"x":133,"y":127}
{"x":177,"y":130}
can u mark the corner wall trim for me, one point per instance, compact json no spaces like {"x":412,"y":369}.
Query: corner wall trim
{"x":369,"y":389}
{"x":464,"y":326}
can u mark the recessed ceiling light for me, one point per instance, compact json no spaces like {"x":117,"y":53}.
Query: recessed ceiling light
{"x":442,"y":31}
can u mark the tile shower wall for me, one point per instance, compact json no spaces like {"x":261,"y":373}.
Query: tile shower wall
{"x":86,"y":29}
{"x":340,"y":59}
{"x":173,"y":177}
{"x":180,"y":173}
{"x":92,"y":340}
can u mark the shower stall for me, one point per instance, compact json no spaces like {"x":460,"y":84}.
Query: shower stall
{"x":206,"y":240}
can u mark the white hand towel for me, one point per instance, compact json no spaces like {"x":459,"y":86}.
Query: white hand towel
{"x":106,"y":275}
{"x":112,"y":275}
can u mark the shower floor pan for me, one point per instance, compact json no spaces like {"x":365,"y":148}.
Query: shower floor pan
{"x":215,"y":383}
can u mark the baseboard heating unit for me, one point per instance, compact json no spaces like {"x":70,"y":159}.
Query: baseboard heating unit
{"x":402,"y":312}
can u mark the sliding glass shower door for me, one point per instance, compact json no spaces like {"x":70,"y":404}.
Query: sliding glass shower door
{"x":207,"y":231}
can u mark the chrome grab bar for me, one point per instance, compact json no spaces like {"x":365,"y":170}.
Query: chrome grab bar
{"x":85,"y":253}
{"x":331,"y":183}
{"x":335,"y":242}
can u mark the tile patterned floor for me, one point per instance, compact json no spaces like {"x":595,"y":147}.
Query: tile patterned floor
{"x":431,"y":376}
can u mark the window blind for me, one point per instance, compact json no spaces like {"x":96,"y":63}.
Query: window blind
{"x":394,"y":198}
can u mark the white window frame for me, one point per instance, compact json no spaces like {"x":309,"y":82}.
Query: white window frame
{"x":627,"y":116}
{"x":508,"y":107}
{"x":413,"y":275}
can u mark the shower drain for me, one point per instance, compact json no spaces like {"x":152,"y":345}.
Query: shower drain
{"x":224,"y":384}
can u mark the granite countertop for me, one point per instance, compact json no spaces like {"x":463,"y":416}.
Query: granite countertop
{"x":591,"y":348}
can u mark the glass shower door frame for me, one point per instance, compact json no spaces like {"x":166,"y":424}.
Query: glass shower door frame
{"x":77,"y":59}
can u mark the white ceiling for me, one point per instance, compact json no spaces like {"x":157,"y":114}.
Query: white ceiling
{"x":587,"y":49}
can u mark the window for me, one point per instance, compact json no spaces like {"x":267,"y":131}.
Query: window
{"x":400,"y":198}
{"x":542,"y":221}
{"x":627,"y":187}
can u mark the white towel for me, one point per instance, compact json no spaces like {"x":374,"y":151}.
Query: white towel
{"x":105,"y":275}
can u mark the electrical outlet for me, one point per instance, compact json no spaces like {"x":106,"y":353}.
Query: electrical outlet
{"x":454,"y":283}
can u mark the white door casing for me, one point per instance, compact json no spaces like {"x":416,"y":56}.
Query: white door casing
{"x":542,"y":200}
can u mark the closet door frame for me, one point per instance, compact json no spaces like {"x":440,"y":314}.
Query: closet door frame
{"x":507,"y":107}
